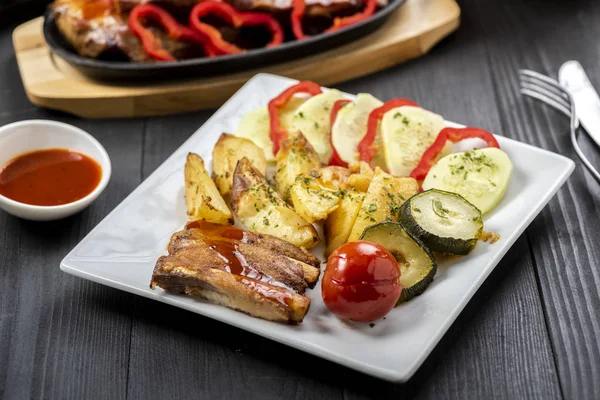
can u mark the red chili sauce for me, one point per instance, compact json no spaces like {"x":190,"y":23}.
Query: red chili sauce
{"x":49,"y":177}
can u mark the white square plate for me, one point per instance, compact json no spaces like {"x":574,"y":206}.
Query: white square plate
{"x":121,"y":252}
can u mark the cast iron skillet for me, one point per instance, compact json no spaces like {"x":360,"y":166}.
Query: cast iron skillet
{"x":199,"y":67}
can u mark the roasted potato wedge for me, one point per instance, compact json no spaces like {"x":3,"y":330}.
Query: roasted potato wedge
{"x":382,"y":202}
{"x":227,"y":152}
{"x":334,"y":176}
{"x":260,"y":208}
{"x":361,"y":176}
{"x":315,"y":195}
{"x":202,"y":198}
{"x":312,"y":200}
{"x":339,"y":223}
{"x":295,"y":157}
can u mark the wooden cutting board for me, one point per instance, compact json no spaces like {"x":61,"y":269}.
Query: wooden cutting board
{"x":50,"y":82}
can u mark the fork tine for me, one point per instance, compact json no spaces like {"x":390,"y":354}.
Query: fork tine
{"x":547,"y":100}
{"x":543,"y":91}
{"x":537,"y":75}
{"x":546,"y":88}
{"x":550,"y":92}
{"x":533,"y":76}
{"x":552,"y":87}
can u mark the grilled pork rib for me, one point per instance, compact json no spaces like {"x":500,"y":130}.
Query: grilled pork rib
{"x":271,"y":242}
{"x":255,"y":274}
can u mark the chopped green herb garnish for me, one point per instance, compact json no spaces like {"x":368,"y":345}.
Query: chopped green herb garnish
{"x":439,"y":209}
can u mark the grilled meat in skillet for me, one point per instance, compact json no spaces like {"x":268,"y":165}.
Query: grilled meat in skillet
{"x":99,"y":29}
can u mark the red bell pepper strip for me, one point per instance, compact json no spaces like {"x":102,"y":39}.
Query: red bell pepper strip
{"x":366,"y":150}
{"x":335,"y":159}
{"x":278,"y":132}
{"x":152,"y":44}
{"x":299,"y":8}
{"x":339,"y":23}
{"x":454,"y":135}
{"x":237,"y":19}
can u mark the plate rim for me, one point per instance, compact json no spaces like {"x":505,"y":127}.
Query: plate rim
{"x":369,"y":369}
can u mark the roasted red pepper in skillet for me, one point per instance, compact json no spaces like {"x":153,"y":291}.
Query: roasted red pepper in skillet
{"x":237,"y":19}
{"x":454,"y":135}
{"x":335,"y":159}
{"x":278,"y":132}
{"x":366,"y":150}
{"x":151,"y":43}
{"x":339,"y":23}
{"x":299,"y":8}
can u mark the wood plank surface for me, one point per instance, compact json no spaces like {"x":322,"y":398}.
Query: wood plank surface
{"x":531,"y":331}
{"x":61,"y":337}
{"x":565,"y":236}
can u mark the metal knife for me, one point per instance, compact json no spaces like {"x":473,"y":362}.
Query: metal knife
{"x":587,"y":103}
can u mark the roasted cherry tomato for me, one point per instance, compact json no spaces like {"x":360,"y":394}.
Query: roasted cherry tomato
{"x":361,"y":281}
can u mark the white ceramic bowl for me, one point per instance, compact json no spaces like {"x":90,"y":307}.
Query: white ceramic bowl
{"x":26,"y":136}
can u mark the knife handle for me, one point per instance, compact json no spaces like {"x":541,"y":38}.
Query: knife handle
{"x":573,"y":78}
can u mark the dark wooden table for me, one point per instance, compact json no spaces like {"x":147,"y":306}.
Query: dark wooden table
{"x":531,"y":331}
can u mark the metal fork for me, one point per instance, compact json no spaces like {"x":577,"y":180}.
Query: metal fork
{"x":549,"y":91}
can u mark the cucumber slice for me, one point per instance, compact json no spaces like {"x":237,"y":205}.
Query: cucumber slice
{"x":350,"y":126}
{"x":444,"y":221}
{"x":480,"y":176}
{"x":417,"y":265}
{"x":406,"y":133}
{"x":313,"y":119}
{"x":256,"y":125}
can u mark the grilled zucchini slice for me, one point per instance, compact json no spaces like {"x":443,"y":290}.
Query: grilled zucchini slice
{"x":446,"y":222}
{"x":417,"y":265}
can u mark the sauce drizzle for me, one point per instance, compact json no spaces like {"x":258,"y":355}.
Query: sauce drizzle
{"x":225,"y":240}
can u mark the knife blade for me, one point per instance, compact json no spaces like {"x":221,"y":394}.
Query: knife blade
{"x":587,"y":102}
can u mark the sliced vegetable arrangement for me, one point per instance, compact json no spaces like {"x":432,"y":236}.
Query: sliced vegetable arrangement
{"x":380,"y":177}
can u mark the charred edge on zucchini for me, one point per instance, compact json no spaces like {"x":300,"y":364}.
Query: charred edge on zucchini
{"x":417,"y":265}
{"x":445,"y":222}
